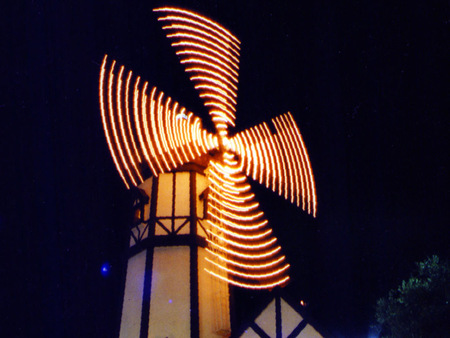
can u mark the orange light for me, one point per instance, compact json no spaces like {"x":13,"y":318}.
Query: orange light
{"x":252,"y":266}
{"x":248,"y":285}
{"x":308,"y":165}
{"x":192,"y":29}
{"x":239,"y":217}
{"x":138,"y":126}
{"x":215,"y":74}
{"x":220,"y":84}
{"x":212,"y":24}
{"x":105,"y":125}
{"x":266,"y":136}
{"x":252,"y":256}
{"x":130,"y":132}
{"x":202,"y":39}
{"x":238,"y":225}
{"x":247,"y":237}
{"x":222,"y":70}
{"x":248,"y":275}
{"x":243,"y":246}
{"x":121,"y":128}
{"x":196,"y":19}
{"x":145,"y":125}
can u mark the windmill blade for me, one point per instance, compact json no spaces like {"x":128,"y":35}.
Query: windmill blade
{"x":144,"y":129}
{"x":242,"y":249}
{"x":279,"y":160}
{"x":210,"y":54}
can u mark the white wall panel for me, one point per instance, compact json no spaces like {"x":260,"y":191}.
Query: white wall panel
{"x":170,"y":293}
{"x":309,"y":332}
{"x":130,"y":325}
{"x":214,"y":307}
{"x":182,"y":200}
{"x":289,"y":318}
{"x":249,"y":333}
{"x":266,"y":320}
{"x":164,"y":205}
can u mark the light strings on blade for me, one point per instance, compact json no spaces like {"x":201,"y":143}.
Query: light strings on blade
{"x":243,"y":249}
{"x":159,"y":134}
{"x":279,"y":161}
{"x":210,"y":54}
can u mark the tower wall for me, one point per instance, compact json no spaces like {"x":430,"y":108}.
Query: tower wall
{"x":167,"y":292}
{"x":170,"y":302}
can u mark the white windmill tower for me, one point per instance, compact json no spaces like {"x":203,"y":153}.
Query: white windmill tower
{"x":198,"y":226}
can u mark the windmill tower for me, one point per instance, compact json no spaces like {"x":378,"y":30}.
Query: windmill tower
{"x":198,"y":226}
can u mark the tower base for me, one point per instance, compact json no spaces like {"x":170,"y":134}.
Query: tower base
{"x":167,"y":291}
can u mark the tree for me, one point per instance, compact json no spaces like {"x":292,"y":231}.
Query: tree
{"x":419,"y":306}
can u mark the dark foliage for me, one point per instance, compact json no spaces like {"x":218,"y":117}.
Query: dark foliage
{"x":419,"y":307}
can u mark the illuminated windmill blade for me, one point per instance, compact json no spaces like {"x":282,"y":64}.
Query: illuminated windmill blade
{"x":279,"y":161}
{"x":242,"y":249}
{"x":144,"y":129}
{"x":210,"y":54}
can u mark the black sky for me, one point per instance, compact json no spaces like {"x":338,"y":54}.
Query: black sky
{"x":366,"y":81}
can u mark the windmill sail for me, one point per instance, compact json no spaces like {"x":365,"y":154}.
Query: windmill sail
{"x":280,"y":161}
{"x":243,"y":249}
{"x":146,"y":129}
{"x":210,"y":54}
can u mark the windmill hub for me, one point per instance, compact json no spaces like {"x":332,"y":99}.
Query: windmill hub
{"x":225,"y":144}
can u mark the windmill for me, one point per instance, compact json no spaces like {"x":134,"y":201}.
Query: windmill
{"x":153,"y":139}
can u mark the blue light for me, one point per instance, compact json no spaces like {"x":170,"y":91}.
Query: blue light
{"x":170,"y":301}
{"x":105,"y":269}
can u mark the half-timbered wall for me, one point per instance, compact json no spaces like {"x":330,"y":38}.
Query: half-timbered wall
{"x":167,"y":291}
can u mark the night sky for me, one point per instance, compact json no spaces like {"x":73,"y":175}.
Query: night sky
{"x":366,"y":81}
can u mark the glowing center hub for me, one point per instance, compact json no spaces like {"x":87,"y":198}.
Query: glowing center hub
{"x":225,"y":143}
